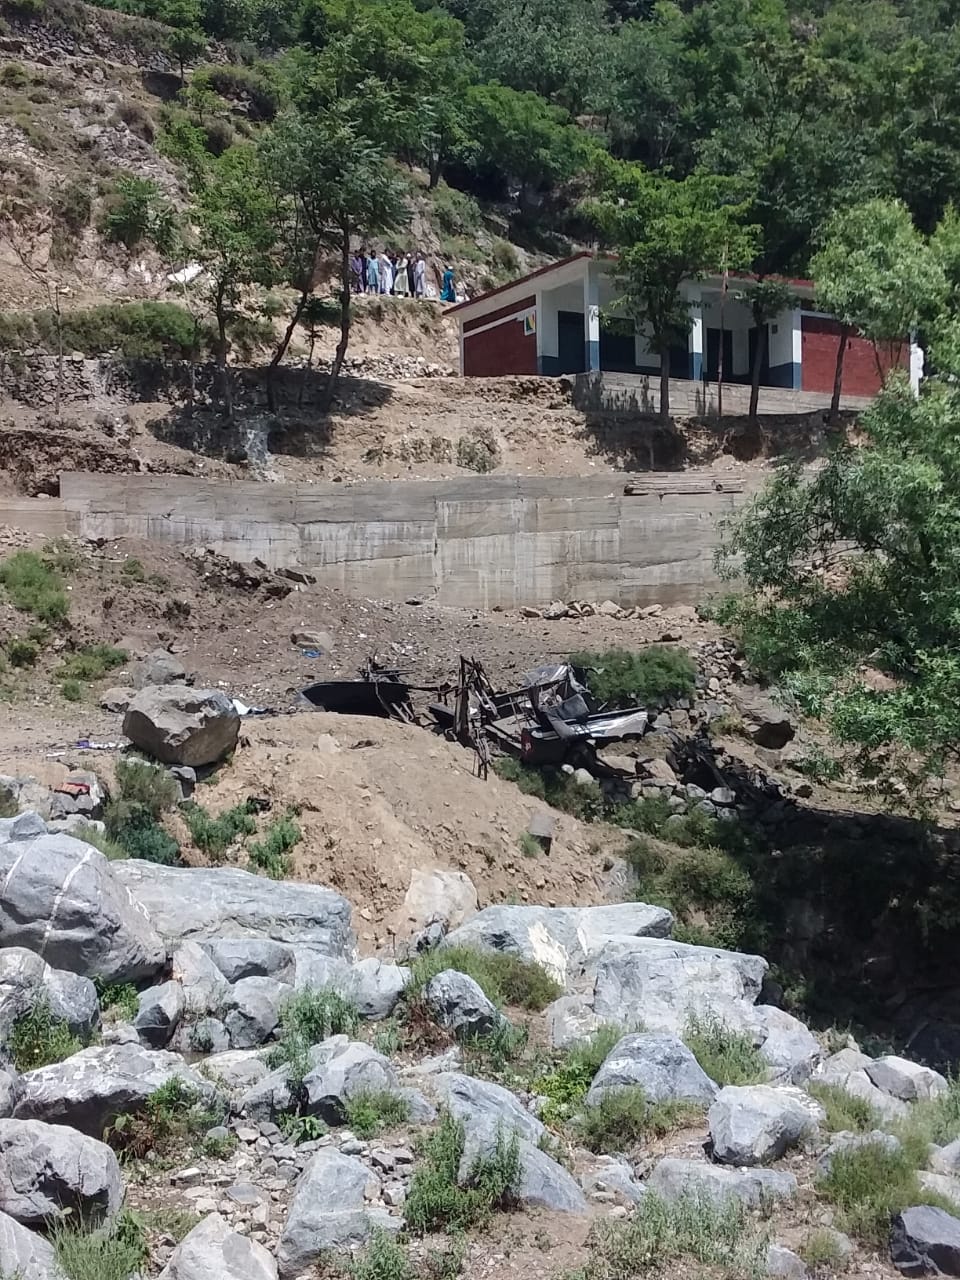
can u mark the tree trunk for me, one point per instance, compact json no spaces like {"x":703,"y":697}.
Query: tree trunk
{"x":226,"y":390}
{"x":763,"y":337}
{"x":59,"y":322}
{"x":665,"y":386}
{"x":331,"y":387}
{"x":305,"y":291}
{"x":838,"y":375}
{"x":307,"y":368}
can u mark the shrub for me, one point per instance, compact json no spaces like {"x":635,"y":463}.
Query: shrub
{"x":215,"y":835}
{"x":132,"y":569}
{"x":504,"y":977}
{"x":138,"y":120}
{"x":243,"y":84}
{"x":22,"y":652}
{"x":455,"y":212}
{"x":727,"y":1056}
{"x":146,"y":784}
{"x":172,"y":1117}
{"x":383,"y":1259}
{"x":306,"y":1018}
{"x":647,"y":814}
{"x":931,"y":1120}
{"x":119,"y":998}
{"x":72,"y":207}
{"x":217,"y":136}
{"x":821,"y":1249}
{"x":623,"y":1117}
{"x":113,"y":1252}
{"x":92,"y":662}
{"x":134,"y":829}
{"x":490,"y":1054}
{"x":530,"y":781}
{"x":566,"y":1085}
{"x":867,"y":1185}
{"x":299,"y":1129}
{"x":529,"y":845}
{"x":660,"y":1233}
{"x":624,"y":678}
{"x":270,"y":854}
{"x":369,"y":1112}
{"x":818,"y":766}
{"x":843,"y":1110}
{"x":13,"y":75}
{"x":437,"y":1202}
{"x":38,"y":1038}
{"x":33,"y":587}
{"x":71,"y":691}
{"x":136,"y":212}
{"x":100,"y":840}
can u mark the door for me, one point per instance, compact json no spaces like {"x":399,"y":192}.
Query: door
{"x":712,"y":370}
{"x":570,"y":346}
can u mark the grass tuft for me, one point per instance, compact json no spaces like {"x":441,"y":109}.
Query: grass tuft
{"x":38,"y":1038}
{"x":173,"y":1117}
{"x":113,"y":1252}
{"x":727,"y":1056}
{"x":270,"y":855}
{"x":625,"y":1117}
{"x":371,"y":1111}
{"x":437,"y":1201}
{"x":308,"y":1017}
{"x":504,"y":978}
{"x":214,"y":836}
{"x":91,"y":663}
{"x":844,"y":1112}
{"x":566,"y":1086}
{"x":34,"y":587}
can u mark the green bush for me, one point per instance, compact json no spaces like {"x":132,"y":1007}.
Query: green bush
{"x":175,"y":1116}
{"x":620,"y":677}
{"x":659,"y":1234}
{"x":554,"y":787}
{"x":119,"y":998}
{"x":72,"y":207}
{"x":133,"y":828}
{"x":37,"y":1038}
{"x":727,"y":1056}
{"x":454,"y":212}
{"x":136,"y":212}
{"x":565,"y":1087}
{"x":437,"y":1202}
{"x":146,"y":784}
{"x":112,"y":1252}
{"x":843,"y":1111}
{"x":270,"y":854}
{"x":132,"y":569}
{"x":370,"y":1111}
{"x":931,"y":1120}
{"x":505,"y":978}
{"x":71,"y":691}
{"x":14,"y":75}
{"x":383,"y":1259}
{"x":867,"y":1185}
{"x":623,"y":1117}
{"x":241,"y":84}
{"x":529,"y":845}
{"x":22,"y":652}
{"x":91,"y":663}
{"x":215,"y":835}
{"x":821,"y":1251}
{"x":33,"y":587}
{"x":306,"y":1018}
{"x":139,"y":330}
{"x":297,"y":1128}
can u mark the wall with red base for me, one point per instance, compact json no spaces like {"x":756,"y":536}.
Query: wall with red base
{"x":503,"y":349}
{"x":821,"y":338}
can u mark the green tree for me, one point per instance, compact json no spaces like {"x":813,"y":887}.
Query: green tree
{"x":666,"y":232}
{"x":237,"y":223}
{"x":877,"y":275}
{"x":766,"y":299}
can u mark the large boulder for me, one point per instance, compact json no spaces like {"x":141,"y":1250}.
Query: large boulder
{"x":677,"y":1179}
{"x":25,"y":979}
{"x":91,"y":1088}
{"x":202,"y":903}
{"x":481,"y":1104}
{"x":447,"y":898}
{"x":561,"y":939}
{"x":24,"y":1255}
{"x":906,"y":1080}
{"x":213,"y":1251}
{"x":661,"y":1065}
{"x":251,"y":1010}
{"x":374,"y":986}
{"x":9,"y":1091}
{"x":180,"y":725}
{"x":236,"y":1070}
{"x":847,"y":1070}
{"x":159,"y":1013}
{"x":613,"y":1175}
{"x":787,"y":1045}
{"x":756,"y":1124}
{"x":662,"y":984}
{"x":543,"y":1183}
{"x":62,"y":900}
{"x":570,"y":1020}
{"x":204,"y":986}
{"x":328,"y":1212}
{"x":158,"y":668}
{"x":49,"y":1169}
{"x":340,"y":1070}
{"x":458,"y":1004}
{"x":239,"y":958}
{"x":925,"y":1241}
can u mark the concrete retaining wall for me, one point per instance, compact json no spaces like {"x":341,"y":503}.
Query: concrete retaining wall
{"x":640,"y":393}
{"x":483,"y":542}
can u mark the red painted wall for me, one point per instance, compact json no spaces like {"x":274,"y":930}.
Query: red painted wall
{"x":501,"y":350}
{"x":821,"y":338}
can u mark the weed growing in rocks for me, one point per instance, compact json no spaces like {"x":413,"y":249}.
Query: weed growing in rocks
{"x":437,"y":1202}
{"x":22,"y":652}
{"x":529,"y":845}
{"x":821,"y":1251}
{"x":297,"y":1129}
{"x":214,"y":836}
{"x":660,"y":1234}
{"x":621,"y":677}
{"x":505,"y":978}
{"x":309,"y":1016}
{"x":38,"y":1038}
{"x":269,"y":855}
{"x":867,"y":1185}
{"x":117,"y":998}
{"x":491,"y":1054}
{"x":132,"y":569}
{"x":131,"y":828}
{"x":174,"y":1116}
{"x":112,"y":1252}
{"x":100,"y":840}
{"x":369,"y":1112}
{"x":91,"y":663}
{"x":388,"y":1037}
{"x":843,"y":1111}
{"x":565,"y":1087}
{"x":150,"y":785}
{"x":624,"y":1117}
{"x":727,"y":1056}
{"x":383,"y":1259}
{"x":71,"y":691}
{"x":931,"y":1120}
{"x":34,"y":587}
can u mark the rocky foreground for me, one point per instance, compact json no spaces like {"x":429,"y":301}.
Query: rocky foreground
{"x":173,"y":988}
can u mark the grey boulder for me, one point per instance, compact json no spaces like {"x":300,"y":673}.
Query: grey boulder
{"x":374,"y":986}
{"x":159,"y":1013}
{"x":181,"y":725}
{"x":561,"y":939}
{"x":787,"y":1045}
{"x":158,"y":668}
{"x":26,"y":978}
{"x":906,"y":1080}
{"x":214,"y":1251}
{"x":47,"y":1170}
{"x":328,"y":1211}
{"x":543,"y":1183}
{"x":677,"y":1179}
{"x":482,"y":1105}
{"x":570,"y":1020}
{"x":91,"y":1088}
{"x":238,"y":958}
{"x":612,"y":1175}
{"x":784,"y":1264}
{"x":756,"y":1124}
{"x":9,"y":1091}
{"x":83,"y":796}
{"x":24,"y":1255}
{"x":340,"y":1070}
{"x":661,"y":1065}
{"x":236,"y":1070}
{"x":436,"y":897}
{"x":62,"y":900}
{"x":251,"y":1010}
{"x":458,"y":1004}
{"x":204,"y":986}
{"x":925,"y":1241}
{"x":202,"y":903}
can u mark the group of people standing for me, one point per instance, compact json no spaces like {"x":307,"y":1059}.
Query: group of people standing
{"x":403,"y":275}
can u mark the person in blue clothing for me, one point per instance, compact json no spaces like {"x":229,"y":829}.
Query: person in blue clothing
{"x":447,"y":291}
{"x":373,"y":273}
